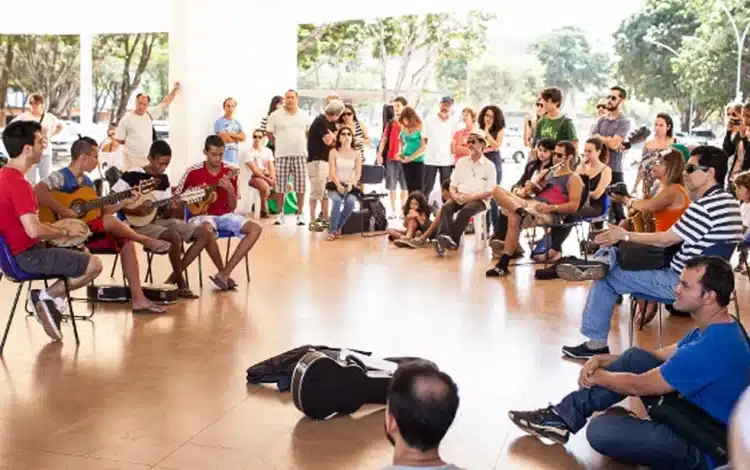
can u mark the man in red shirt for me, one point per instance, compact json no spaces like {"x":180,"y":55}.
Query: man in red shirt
{"x":394,"y":169}
{"x":220,"y":215}
{"x":23,"y":233}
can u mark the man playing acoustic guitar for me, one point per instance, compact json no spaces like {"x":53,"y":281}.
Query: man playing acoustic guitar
{"x":23,"y":233}
{"x":218,"y":215}
{"x":176,"y":231}
{"x":110,"y":233}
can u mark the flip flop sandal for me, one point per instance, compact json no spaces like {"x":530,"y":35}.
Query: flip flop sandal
{"x":220,"y":284}
{"x":186,"y":293}
{"x":152,"y":310}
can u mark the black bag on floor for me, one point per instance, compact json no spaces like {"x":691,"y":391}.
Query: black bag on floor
{"x":358,"y":221}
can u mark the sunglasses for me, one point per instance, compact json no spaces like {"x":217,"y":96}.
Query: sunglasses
{"x":691,"y":168}
{"x":346,"y":134}
{"x":612,"y":98}
{"x":600,"y":106}
{"x":257,"y":137}
{"x":539,"y":105}
{"x":558,"y":154}
{"x":347,"y":114}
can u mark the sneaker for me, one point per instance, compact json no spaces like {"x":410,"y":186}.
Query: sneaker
{"x":543,"y":423}
{"x":49,"y":317}
{"x":316,"y":226}
{"x":439,"y":249}
{"x":403,"y":242}
{"x":300,"y":220}
{"x":447,"y":242}
{"x":279,"y":220}
{"x":579,"y":273}
{"x":582,"y":351}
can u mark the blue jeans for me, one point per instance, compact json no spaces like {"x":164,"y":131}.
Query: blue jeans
{"x":597,"y":315}
{"x":623,"y":437}
{"x":341,"y":208}
{"x":493,"y":214}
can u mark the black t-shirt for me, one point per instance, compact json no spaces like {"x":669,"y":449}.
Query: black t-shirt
{"x":135,"y":176}
{"x":317,"y":150}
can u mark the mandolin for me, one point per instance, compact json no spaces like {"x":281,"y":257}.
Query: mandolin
{"x":189,"y":196}
{"x":201,"y":207}
{"x":86,"y":204}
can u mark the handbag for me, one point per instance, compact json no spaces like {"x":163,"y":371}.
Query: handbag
{"x":691,"y":422}
{"x":633,"y":256}
{"x":356,"y":192}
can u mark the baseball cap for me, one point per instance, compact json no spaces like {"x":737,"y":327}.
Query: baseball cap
{"x":446,"y":99}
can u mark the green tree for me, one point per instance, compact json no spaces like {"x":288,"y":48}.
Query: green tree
{"x":7,"y":50}
{"x":569,"y":61}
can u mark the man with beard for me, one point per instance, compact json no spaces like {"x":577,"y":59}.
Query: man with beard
{"x":422,"y":404}
{"x":612,"y":130}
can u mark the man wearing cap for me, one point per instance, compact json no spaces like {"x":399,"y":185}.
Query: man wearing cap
{"x":439,"y":130}
{"x":471,"y":187}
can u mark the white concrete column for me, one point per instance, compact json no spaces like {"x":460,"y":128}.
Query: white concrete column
{"x":219,"y":49}
{"x":86,"y":99}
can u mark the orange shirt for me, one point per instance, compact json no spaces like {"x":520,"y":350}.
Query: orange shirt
{"x":665,"y":218}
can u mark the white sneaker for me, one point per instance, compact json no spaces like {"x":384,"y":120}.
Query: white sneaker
{"x":279,"y":220}
{"x":300,"y":219}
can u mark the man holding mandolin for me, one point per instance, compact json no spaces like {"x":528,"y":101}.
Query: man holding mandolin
{"x":216,"y":210}
{"x":63,"y":190}
{"x":151,"y":216}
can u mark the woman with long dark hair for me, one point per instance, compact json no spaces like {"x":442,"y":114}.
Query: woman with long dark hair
{"x":411,"y":149}
{"x":492,"y":122}
{"x":276,"y":103}
{"x":361,"y":136}
{"x":345,"y":169}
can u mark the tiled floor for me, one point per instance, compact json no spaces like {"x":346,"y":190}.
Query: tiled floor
{"x":169,"y":392}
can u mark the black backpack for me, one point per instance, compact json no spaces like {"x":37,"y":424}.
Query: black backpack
{"x":377,"y":213}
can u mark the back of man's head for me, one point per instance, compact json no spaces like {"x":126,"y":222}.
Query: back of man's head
{"x":423,"y":402}
{"x":334,"y":108}
{"x":82,"y":146}
{"x":18,"y":134}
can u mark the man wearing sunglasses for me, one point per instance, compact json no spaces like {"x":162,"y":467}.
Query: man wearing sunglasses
{"x":612,"y":128}
{"x":471,"y":187}
{"x":713,"y":218}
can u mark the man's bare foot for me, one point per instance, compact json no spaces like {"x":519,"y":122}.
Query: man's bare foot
{"x":146,"y":306}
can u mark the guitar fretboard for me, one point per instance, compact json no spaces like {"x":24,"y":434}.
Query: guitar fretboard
{"x":108,"y":200}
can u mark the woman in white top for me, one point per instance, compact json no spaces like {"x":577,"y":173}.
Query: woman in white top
{"x":259,"y":163}
{"x":50,"y":127}
{"x":345,"y":169}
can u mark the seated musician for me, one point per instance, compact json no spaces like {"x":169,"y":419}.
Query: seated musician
{"x":666,"y":206}
{"x":713,"y":218}
{"x":559,"y":192}
{"x":24,"y":234}
{"x":708,"y":367}
{"x":110,"y":233}
{"x":471,"y":186}
{"x":164,"y":227}
{"x":219,"y":215}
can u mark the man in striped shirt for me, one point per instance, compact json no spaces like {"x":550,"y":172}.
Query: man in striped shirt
{"x":712,"y":219}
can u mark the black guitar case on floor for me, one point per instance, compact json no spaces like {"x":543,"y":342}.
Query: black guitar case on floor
{"x":108,"y":293}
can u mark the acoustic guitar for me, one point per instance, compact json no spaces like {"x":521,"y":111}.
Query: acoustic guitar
{"x":201,"y":207}
{"x":189,"y":196}
{"x":87,"y":204}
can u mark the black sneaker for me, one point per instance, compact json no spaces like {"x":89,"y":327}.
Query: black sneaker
{"x":582,"y":351}
{"x":447,"y":242}
{"x":49,"y":317}
{"x":543,"y":423}
{"x":438,"y":247}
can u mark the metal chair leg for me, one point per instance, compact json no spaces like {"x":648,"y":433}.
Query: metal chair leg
{"x":200,"y":271}
{"x":631,"y":329}
{"x":70,"y":307}
{"x":149,"y":260}
{"x":247,"y":267}
{"x":10,"y":319}
{"x":114,"y":264}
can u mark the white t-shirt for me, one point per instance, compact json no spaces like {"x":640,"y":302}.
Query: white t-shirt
{"x":136,"y":131}
{"x":261,"y":158}
{"x":439,"y":134}
{"x":471,"y":177}
{"x":289,"y":132}
{"x":49,"y":124}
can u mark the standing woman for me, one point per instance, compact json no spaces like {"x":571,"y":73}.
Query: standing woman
{"x":411,"y":149}
{"x":459,"y":145}
{"x":276,"y":103}
{"x":50,"y":127}
{"x":361,"y":136}
{"x":492,"y":122}
{"x":230,"y":131}
{"x":345,"y":169}
{"x":663,"y":138}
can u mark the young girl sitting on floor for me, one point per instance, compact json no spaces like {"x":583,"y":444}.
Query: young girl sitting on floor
{"x":416,"y":220}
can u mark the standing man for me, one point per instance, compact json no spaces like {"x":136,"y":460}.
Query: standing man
{"x":612,"y":130}
{"x":288,"y":128}
{"x":230,"y":131}
{"x":50,"y":127}
{"x":389,"y":144}
{"x":554,"y":124}
{"x":439,"y":133}
{"x":136,"y":128}
{"x":321,"y":138}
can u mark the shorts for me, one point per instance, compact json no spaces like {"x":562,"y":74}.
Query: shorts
{"x":394,"y":175}
{"x":101,"y":240}
{"x":156,"y":228}
{"x":540,"y":218}
{"x":231,"y":223}
{"x":61,"y":262}
{"x":318,"y":171}
{"x":294,"y":166}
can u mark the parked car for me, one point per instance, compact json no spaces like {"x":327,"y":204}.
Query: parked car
{"x":162,"y":130}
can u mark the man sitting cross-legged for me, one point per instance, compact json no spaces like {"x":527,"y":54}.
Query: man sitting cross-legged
{"x":558,"y":193}
{"x":110,"y":233}
{"x":708,"y":367}
{"x":713,"y":218}
{"x":219,"y":215}
{"x":23,"y":233}
{"x":470,"y":188}
{"x":164,"y":227}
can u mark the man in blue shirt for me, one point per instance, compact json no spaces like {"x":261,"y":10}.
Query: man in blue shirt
{"x":710,"y":367}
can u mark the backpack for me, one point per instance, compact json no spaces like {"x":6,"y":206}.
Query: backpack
{"x":377,"y":214}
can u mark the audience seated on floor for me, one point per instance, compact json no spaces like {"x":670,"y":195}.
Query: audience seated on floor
{"x":25,"y":234}
{"x":714,"y":218}
{"x":708,"y":368}
{"x":470,"y":188}
{"x":416,"y":222}
{"x":421,"y":406}
{"x":556,"y":194}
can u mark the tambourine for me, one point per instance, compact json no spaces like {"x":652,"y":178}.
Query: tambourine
{"x":71,"y":241}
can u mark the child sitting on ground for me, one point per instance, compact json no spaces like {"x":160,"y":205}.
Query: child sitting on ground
{"x":416,"y":221}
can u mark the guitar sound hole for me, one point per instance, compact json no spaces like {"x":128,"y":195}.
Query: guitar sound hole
{"x":77,"y":207}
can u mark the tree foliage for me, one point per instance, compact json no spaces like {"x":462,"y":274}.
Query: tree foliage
{"x":569,"y":61}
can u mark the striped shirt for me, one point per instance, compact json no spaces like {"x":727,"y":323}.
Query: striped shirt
{"x":712,"y":219}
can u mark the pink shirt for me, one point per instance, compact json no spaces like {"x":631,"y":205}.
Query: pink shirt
{"x":459,"y":138}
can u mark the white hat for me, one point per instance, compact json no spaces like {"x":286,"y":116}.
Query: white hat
{"x":478,"y":133}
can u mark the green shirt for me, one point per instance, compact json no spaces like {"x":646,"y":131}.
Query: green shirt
{"x":410,"y":143}
{"x":561,"y":128}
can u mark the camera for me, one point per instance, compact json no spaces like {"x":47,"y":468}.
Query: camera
{"x":618,"y":189}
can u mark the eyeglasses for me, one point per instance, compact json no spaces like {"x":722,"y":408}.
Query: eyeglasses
{"x":691,"y":168}
{"x":347,"y":114}
{"x":257,"y":137}
{"x":471,"y":141}
{"x":346,"y":134}
{"x":558,"y":154}
{"x":613,"y":98}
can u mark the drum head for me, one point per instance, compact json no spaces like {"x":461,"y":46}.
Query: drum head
{"x":70,"y":225}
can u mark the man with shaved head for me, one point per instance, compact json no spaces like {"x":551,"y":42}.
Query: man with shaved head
{"x":422,"y":403}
